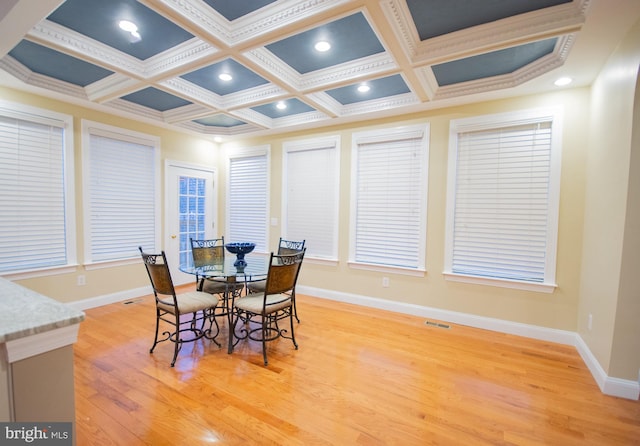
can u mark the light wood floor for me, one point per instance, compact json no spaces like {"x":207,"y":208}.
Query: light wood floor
{"x":360,"y":377}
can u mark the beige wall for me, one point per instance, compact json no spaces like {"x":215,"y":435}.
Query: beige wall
{"x":609,"y":281}
{"x":557,"y":310}
{"x":106,"y":281}
{"x":592,"y":238}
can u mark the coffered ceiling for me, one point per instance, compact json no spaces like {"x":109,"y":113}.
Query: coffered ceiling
{"x":405,"y":55}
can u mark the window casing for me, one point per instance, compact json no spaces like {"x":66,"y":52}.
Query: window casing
{"x":121,"y":173}
{"x":248,"y":196}
{"x":310,"y":195}
{"x":503,"y":198}
{"x":37,"y":225}
{"x":389,"y":199}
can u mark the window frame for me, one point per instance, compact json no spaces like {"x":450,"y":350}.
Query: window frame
{"x":416,"y":131}
{"x":496,"y":122}
{"x":65,"y":122}
{"x":308,"y":145}
{"x":90,"y":128}
{"x":248,"y":152}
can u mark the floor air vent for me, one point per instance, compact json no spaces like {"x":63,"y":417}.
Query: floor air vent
{"x":436,"y":324}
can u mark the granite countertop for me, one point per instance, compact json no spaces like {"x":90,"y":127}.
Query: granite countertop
{"x":24,"y":312}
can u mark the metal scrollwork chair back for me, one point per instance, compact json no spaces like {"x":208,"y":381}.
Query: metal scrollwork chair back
{"x":190,"y":315}
{"x":268,"y":307}
{"x":284,"y":247}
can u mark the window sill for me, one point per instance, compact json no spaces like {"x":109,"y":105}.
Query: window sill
{"x":503,"y":283}
{"x":29,"y":274}
{"x":388,"y":269}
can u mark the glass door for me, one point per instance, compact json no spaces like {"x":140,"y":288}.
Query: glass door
{"x":190,"y":214}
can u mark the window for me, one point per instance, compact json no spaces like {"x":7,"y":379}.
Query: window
{"x":502,"y":201}
{"x":121,"y":199}
{"x":37,"y":223}
{"x":389,"y":198}
{"x":248,"y":197}
{"x":310,"y":195}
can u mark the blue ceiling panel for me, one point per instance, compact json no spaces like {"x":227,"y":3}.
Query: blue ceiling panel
{"x":293,"y":107}
{"x":436,"y":17}
{"x":156,"y":99}
{"x":207,"y":77}
{"x":54,"y":64}
{"x":351,"y":38}
{"x":492,"y":64}
{"x":99,"y":20}
{"x":219,"y":121}
{"x":233,"y":9}
{"x":378,"y":88}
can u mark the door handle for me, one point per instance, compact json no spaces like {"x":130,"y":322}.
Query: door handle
{"x":173,"y":236}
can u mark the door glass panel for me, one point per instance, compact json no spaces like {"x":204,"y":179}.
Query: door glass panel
{"x":191,"y":215}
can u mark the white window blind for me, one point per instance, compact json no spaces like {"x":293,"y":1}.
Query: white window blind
{"x":33,"y":228}
{"x":390,"y":199}
{"x":311,"y":196}
{"x":504,"y":223}
{"x":121,"y":197}
{"x":248,"y":200}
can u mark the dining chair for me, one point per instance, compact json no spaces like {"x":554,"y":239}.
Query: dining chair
{"x":270,"y":306}
{"x":187,"y":313}
{"x":284,"y":247}
{"x":209,"y":253}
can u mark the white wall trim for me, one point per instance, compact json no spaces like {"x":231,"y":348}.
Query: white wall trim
{"x":608,"y":385}
{"x":32,"y":345}
{"x":98,"y":301}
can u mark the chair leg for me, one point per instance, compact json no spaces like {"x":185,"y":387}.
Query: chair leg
{"x":264,"y":337}
{"x":155,"y":340}
{"x":293,"y":336}
{"x":177,"y":343}
{"x":295,"y":308}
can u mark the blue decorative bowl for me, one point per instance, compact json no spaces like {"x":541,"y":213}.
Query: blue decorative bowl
{"x":240,"y":249}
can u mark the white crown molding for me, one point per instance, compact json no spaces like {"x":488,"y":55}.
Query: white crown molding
{"x":284,"y":13}
{"x":186,"y":113}
{"x":266,"y":60}
{"x":324,"y":101}
{"x":377,"y":105}
{"x":510,"y":80}
{"x":377,"y":64}
{"x":187,"y":53}
{"x":529,"y":27}
{"x":193,"y":92}
{"x":112,"y":87}
{"x":253,"y":96}
{"x":135,"y":109}
{"x":26,"y":76}
{"x":75,"y":44}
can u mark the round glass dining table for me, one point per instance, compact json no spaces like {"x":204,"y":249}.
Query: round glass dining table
{"x":256,"y":268}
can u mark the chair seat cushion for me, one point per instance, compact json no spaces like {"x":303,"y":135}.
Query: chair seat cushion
{"x":218,"y":286}
{"x":191,"y":302}
{"x":257,"y":287}
{"x":253,"y":303}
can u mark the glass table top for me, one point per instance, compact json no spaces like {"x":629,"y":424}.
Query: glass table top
{"x":256,"y":269}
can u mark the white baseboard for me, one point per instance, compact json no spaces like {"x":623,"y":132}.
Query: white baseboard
{"x":107,"y":299}
{"x":610,"y":386}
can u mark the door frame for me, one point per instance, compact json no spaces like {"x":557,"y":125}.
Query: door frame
{"x":210,"y":230}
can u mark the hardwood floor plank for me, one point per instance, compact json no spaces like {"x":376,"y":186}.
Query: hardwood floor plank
{"x":360,"y":377}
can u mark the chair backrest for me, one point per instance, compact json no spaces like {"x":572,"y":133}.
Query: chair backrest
{"x":289,"y":246}
{"x":283,"y":272}
{"x":207,"y":252}
{"x":158,"y":270}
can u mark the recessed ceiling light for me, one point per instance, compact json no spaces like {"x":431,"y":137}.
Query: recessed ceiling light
{"x":322,"y":46}
{"x":363,"y":88}
{"x":563,"y":81}
{"x":281,"y":105}
{"x":225,"y":77}
{"x":130,"y":27}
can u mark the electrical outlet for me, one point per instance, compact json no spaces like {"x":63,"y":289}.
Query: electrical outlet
{"x":385,"y":282}
{"x":82,"y":280}
{"x":590,"y":322}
